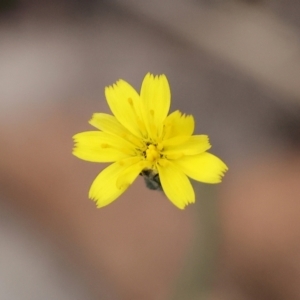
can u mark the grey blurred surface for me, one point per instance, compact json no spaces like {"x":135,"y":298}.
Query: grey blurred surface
{"x":32,"y":267}
{"x":234,"y":65}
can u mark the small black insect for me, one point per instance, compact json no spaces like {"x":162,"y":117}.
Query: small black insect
{"x":152,"y":180}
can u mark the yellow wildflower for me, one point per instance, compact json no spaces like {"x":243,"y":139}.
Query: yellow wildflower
{"x":142,"y":139}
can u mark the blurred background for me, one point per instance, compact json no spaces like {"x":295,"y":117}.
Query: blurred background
{"x":234,"y":65}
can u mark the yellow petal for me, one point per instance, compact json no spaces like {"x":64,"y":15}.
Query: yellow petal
{"x":204,"y":167}
{"x":108,"y":123}
{"x":156,"y":99}
{"x":175,"y":141}
{"x":127,"y":177}
{"x":124,"y":103}
{"x":104,"y":189}
{"x":175,"y":183}
{"x":177,"y":124}
{"x":195,"y":145}
{"x":99,"y":146}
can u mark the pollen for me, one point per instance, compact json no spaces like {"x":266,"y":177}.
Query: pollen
{"x":152,"y":153}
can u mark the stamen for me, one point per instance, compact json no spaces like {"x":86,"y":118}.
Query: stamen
{"x":152,"y":153}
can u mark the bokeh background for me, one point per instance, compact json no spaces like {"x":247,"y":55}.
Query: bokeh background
{"x":234,"y":65}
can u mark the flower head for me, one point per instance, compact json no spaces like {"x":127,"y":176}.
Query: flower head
{"x":140,"y":138}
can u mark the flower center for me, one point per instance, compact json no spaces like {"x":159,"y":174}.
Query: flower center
{"x":153,"y":152}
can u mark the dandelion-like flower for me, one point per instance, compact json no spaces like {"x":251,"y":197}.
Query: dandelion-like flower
{"x":140,"y":138}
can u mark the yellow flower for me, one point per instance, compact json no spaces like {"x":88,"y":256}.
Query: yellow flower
{"x":142,"y":139}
